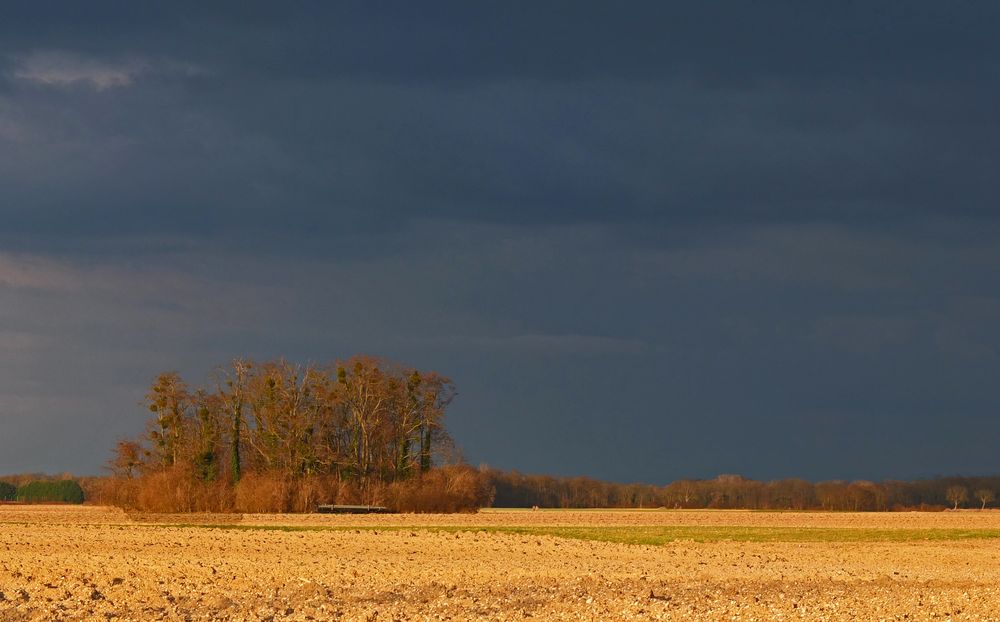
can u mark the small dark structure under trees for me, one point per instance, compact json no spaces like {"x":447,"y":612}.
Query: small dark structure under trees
{"x":353,"y":509}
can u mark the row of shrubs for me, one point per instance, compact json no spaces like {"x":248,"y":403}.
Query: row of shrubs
{"x":444,"y":489}
{"x":61,"y":491}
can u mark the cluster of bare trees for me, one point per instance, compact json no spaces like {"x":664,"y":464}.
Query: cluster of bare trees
{"x":733,"y":491}
{"x":355,"y":426}
{"x":362,"y":419}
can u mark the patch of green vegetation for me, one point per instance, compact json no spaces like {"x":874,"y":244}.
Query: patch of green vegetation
{"x":663,"y":535}
{"x":64,"y":491}
{"x":655,"y":536}
{"x":7,"y":491}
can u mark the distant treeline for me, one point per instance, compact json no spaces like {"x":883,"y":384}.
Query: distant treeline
{"x":513,"y":489}
{"x":278,"y":437}
{"x":42,"y":490}
{"x":461,"y":488}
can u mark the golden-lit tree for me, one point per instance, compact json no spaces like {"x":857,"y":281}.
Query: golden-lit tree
{"x":127,"y":459}
{"x":168,"y":399}
{"x":231,"y":389}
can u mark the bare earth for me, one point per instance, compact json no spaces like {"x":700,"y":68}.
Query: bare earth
{"x":96,"y":563}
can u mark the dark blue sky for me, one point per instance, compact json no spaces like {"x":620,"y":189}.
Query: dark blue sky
{"x":647,"y":241}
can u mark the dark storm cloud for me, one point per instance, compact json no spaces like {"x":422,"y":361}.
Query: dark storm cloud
{"x":476,"y":42}
{"x":565,"y":113}
{"x":724,"y":236}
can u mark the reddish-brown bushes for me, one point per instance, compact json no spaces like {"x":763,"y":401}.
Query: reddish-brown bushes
{"x":448,"y":489}
{"x":445,"y":489}
{"x":169,"y":490}
{"x":263,"y":493}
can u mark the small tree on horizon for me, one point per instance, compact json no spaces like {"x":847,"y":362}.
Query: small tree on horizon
{"x":985,"y":495}
{"x":956,"y":495}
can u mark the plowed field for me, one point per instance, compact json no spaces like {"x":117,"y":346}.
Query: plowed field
{"x":100,"y":564}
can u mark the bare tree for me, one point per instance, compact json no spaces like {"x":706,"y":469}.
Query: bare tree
{"x":169,"y":400}
{"x":234,"y":397}
{"x":362,"y":383}
{"x":206,"y":446}
{"x":956,"y":495}
{"x":985,"y":495}
{"x":435,"y":392}
{"x":127,"y":459}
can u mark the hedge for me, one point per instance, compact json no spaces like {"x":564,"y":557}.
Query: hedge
{"x":7,"y":491}
{"x":65,"y":491}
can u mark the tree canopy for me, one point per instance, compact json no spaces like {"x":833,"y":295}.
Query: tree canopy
{"x":363,"y":422}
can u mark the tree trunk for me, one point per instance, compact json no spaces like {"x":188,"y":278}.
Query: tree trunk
{"x":425,"y":450}
{"x":235,"y":446}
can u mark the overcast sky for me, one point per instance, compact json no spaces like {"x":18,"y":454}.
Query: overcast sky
{"x":647,"y":241}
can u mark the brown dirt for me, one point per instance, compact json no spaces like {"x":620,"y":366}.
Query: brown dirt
{"x":96,"y":563}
